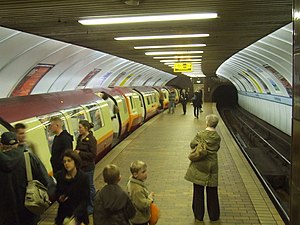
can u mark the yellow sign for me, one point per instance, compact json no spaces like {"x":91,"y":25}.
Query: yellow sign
{"x":183,"y":67}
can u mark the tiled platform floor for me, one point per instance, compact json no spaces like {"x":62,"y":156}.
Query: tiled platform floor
{"x":163,"y":143}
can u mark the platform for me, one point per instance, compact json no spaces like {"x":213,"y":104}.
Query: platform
{"x":163,"y":143}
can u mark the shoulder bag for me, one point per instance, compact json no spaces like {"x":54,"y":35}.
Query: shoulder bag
{"x":199,"y":152}
{"x":36,"y":196}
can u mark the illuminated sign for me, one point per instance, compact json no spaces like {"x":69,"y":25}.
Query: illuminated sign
{"x":183,"y":67}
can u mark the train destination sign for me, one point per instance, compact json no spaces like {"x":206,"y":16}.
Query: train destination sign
{"x":183,"y":67}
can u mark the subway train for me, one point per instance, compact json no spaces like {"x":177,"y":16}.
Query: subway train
{"x":125,"y":109}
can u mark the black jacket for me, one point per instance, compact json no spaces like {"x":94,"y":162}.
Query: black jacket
{"x":112,"y":206}
{"x":13,"y":182}
{"x":88,"y":149}
{"x":61,"y":143}
{"x":77,"y":191}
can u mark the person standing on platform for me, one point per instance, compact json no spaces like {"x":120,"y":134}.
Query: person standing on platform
{"x":139,"y":194}
{"x":172,"y":96}
{"x":72,"y":191}
{"x":183,"y":100}
{"x":87,"y":148}
{"x":20,"y":130}
{"x":62,"y":141}
{"x":197,"y":102}
{"x":161,"y":100}
{"x":13,"y":181}
{"x":204,"y":173}
{"x":112,"y":205}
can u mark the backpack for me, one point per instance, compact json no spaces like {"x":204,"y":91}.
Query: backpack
{"x":36,"y":196}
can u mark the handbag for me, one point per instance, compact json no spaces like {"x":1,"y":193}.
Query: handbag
{"x":155,"y":214}
{"x":199,"y":152}
{"x":36,"y":196}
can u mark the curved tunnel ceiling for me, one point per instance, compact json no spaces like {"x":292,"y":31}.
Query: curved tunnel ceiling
{"x":239,"y":24}
{"x":30,"y":64}
{"x":265,"y":67}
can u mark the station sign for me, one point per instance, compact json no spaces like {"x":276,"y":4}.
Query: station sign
{"x":183,"y":67}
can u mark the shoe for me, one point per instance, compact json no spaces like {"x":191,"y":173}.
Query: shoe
{"x":198,"y":221}
{"x":201,"y":110}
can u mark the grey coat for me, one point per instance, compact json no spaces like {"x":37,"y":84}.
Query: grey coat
{"x":205,"y":171}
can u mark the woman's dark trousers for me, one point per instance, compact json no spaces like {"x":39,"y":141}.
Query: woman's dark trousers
{"x":212,"y":201}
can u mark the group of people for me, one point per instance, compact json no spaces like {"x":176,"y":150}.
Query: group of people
{"x":196,"y":101}
{"x":72,"y":184}
{"x":73,"y":170}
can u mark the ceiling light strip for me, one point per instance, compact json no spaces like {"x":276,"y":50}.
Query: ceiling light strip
{"x":170,"y":46}
{"x":161,"y":37}
{"x":178,"y":56}
{"x":142,"y":19}
{"x":173,"y":53}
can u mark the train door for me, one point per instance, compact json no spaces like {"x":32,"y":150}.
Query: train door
{"x":123,"y":115}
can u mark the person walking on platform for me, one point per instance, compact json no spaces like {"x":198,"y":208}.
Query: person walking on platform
{"x":62,"y":141}
{"x":204,"y":173}
{"x":72,"y":191}
{"x":172,"y":96}
{"x":86,"y":148}
{"x":112,"y":205}
{"x":139,"y":194}
{"x":13,"y":181}
{"x":197,"y":103}
{"x":183,"y":100}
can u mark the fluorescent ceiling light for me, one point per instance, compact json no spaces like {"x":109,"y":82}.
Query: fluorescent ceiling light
{"x":161,"y":37}
{"x":171,"y":46}
{"x":142,"y":19}
{"x":173,"y":52}
{"x":183,"y":60}
{"x":177,"y":56}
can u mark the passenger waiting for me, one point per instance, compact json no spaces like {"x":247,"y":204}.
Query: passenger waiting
{"x":204,"y":173}
{"x":86,"y":148}
{"x":112,"y":205}
{"x":13,"y":181}
{"x":62,"y":142}
{"x":72,"y":191}
{"x":139,"y":194}
{"x":20,"y":130}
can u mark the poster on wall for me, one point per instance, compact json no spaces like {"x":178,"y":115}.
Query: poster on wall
{"x":103,"y":78}
{"x":281,"y":78}
{"x":87,"y":78}
{"x":126,"y":79}
{"x":134,"y":80}
{"x":29,"y":81}
{"x":260,"y":80}
{"x":115,"y":80}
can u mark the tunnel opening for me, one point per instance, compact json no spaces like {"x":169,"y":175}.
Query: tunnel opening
{"x":225,"y":96}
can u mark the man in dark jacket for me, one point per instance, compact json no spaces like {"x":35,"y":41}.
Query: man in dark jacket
{"x":112,"y":205}
{"x":13,"y":182}
{"x":62,"y":141}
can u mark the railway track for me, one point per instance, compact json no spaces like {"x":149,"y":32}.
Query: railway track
{"x":268,"y":152}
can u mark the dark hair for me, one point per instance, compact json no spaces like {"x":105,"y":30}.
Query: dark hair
{"x":19,"y":126}
{"x":73,"y":155}
{"x":111,"y":174}
{"x":86,"y":124}
{"x":104,"y":96}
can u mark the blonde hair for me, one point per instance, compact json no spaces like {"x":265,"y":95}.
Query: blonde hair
{"x":136,"y":166}
{"x":111,"y":174}
{"x":212,"y":120}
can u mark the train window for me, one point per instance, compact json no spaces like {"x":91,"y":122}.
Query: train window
{"x":96,"y":116}
{"x":141,"y":101}
{"x":132,"y":103}
{"x":148,"y":100}
{"x":45,"y":120}
{"x":3,"y":129}
{"x":124,"y":105}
